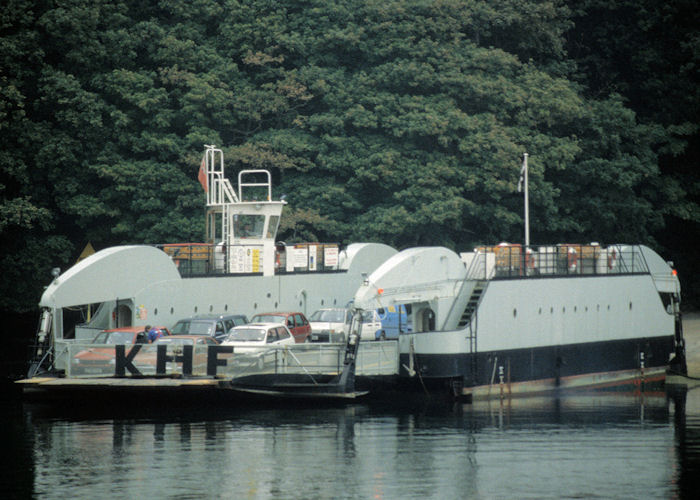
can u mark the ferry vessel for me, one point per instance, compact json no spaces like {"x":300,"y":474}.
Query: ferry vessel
{"x":513,"y":320}
{"x":500,"y":320}
{"x":240,"y":268}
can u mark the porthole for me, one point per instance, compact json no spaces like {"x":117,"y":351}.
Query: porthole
{"x":515,"y":312}
{"x":225,"y":307}
{"x":300,"y":303}
{"x":539,"y":311}
{"x":195,"y":309}
{"x":321,"y":301}
{"x":597,"y":307}
{"x":275,"y":305}
{"x":335,"y":302}
{"x":269,"y":295}
{"x":608,"y":307}
{"x":630,"y":306}
{"x":575,"y":308}
{"x":155,"y":312}
{"x":551,"y":310}
{"x":585,"y":309}
{"x":172,"y":310}
{"x":255,"y":306}
{"x":563,"y":309}
{"x":211,"y":308}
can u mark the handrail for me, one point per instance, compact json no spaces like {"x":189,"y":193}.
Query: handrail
{"x":514,"y":261}
{"x":474,"y":271}
{"x":220,"y":191}
{"x":452,"y":306}
{"x":267,"y":184}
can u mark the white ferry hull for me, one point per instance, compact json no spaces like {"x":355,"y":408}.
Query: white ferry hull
{"x":531,"y":333}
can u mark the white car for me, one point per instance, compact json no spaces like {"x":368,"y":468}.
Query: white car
{"x":256,"y":336}
{"x":333,"y":324}
{"x":329,"y":325}
{"x":255,"y":343}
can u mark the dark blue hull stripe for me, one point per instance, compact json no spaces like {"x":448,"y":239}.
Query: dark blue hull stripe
{"x":542,"y":363}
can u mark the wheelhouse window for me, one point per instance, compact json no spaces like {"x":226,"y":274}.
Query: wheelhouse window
{"x":272,"y":226}
{"x":248,"y":226}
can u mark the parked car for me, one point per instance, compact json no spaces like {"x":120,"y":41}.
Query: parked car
{"x":254,"y":336}
{"x":100,"y":360}
{"x":251,"y":342}
{"x":333,"y":324}
{"x":214,"y":325}
{"x":195,"y":340}
{"x":329,"y":325}
{"x":296,"y":322}
{"x":124,"y":335}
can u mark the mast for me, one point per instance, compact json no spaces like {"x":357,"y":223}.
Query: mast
{"x":524,"y":182}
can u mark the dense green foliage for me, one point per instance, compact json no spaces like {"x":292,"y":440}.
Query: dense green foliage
{"x":382,"y":120}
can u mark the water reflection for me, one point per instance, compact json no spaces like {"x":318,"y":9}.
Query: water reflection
{"x":687,"y":439}
{"x":611,"y":445}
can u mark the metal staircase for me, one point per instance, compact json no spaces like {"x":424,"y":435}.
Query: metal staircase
{"x":472,"y":303}
{"x":469,"y":320}
{"x":219,"y":189}
{"x":220,"y":193}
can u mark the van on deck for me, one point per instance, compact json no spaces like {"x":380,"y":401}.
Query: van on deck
{"x":395,"y":321}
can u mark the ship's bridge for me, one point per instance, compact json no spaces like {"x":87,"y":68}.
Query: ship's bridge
{"x":241,"y":229}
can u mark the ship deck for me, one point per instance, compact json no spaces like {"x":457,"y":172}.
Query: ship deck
{"x":376,"y":360}
{"x":313,"y":363}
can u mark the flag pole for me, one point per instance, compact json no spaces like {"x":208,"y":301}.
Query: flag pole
{"x":527,"y":204}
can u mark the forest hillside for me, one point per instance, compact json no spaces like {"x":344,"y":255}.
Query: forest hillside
{"x":402,"y":122}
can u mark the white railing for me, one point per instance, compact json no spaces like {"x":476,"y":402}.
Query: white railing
{"x":84,"y":360}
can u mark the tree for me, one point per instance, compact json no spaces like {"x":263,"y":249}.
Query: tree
{"x":647,"y":52}
{"x":401,"y":122}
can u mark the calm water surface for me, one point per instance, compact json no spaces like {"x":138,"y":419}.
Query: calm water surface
{"x":585,"y":446}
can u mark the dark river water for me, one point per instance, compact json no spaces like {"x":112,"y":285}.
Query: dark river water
{"x":583,"y":446}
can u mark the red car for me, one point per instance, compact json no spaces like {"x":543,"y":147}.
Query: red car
{"x":100,"y":360}
{"x":295,"y":321}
